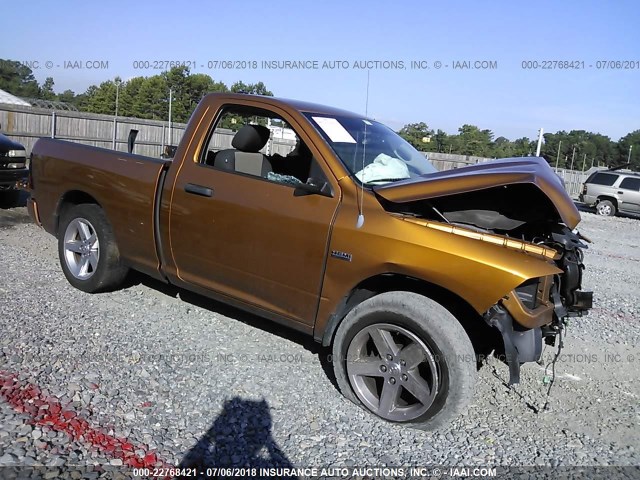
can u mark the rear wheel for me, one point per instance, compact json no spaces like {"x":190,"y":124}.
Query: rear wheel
{"x":88,"y":253}
{"x":606,"y":208}
{"x":405,"y":358}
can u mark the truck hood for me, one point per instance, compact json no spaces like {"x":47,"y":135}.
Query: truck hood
{"x":488,"y":175}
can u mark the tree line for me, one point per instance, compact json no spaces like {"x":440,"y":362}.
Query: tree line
{"x":576,"y":149}
{"x":148,"y":97}
{"x":138,"y":97}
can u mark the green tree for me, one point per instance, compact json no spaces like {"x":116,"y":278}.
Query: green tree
{"x":68,"y":96}
{"x":417,"y":134}
{"x":152,"y":100}
{"x":473,"y":141}
{"x":18,"y":79}
{"x":46,"y":90}
{"x":631,"y":139}
{"x":502,"y":148}
{"x":549,"y":150}
{"x":201,"y":84}
{"x":584,"y":148}
{"x":129,"y":92}
{"x":523,"y":147}
{"x":440,"y":142}
{"x":251,"y":88}
{"x":605,"y":150}
{"x":83,"y":100}
{"x":177,"y":80}
{"x":101,"y":99}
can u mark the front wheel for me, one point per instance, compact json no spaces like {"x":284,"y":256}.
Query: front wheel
{"x":88,"y":253}
{"x":406,"y":359}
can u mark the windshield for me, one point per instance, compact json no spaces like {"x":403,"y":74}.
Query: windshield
{"x":372,"y":152}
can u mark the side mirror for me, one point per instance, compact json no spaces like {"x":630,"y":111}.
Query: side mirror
{"x":313,"y":187}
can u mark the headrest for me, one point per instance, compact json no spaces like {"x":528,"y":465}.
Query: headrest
{"x":300,"y":150}
{"x":251,"y":138}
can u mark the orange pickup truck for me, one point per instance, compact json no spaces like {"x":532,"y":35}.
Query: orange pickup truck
{"x":352,"y":237}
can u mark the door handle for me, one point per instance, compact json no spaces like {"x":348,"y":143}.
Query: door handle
{"x":198,"y":190}
{"x":620,"y":193}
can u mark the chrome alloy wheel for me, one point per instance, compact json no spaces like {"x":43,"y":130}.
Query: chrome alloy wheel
{"x":81,"y":248}
{"x":392,"y":371}
{"x":604,"y":209}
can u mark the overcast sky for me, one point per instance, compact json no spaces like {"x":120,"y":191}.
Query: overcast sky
{"x":509,"y":100}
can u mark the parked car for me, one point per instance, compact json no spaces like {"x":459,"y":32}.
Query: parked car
{"x":353,"y":238}
{"x":611,"y":191}
{"x":13,"y":168}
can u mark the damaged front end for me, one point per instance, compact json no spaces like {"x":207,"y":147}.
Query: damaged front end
{"x":536,"y":310}
{"x":519,"y":203}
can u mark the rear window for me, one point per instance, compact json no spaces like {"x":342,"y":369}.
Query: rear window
{"x":603,"y":179}
{"x":631,"y":184}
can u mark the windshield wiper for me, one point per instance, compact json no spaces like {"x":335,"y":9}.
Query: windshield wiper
{"x":385,"y":180}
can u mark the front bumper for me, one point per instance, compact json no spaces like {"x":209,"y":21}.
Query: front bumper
{"x":11,"y":177}
{"x":522,"y":329}
{"x":538,"y":308}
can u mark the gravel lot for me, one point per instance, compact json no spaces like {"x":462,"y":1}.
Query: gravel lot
{"x":150,"y":370}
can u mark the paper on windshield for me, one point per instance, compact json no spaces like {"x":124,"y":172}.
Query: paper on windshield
{"x":334,"y":130}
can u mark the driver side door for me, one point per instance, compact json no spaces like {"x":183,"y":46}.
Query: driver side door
{"x":258,"y":241}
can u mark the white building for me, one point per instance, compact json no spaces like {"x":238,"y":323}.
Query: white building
{"x":7,"y":98}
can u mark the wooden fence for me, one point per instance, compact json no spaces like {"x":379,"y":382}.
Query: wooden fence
{"x":26,"y":124}
{"x":573,"y":180}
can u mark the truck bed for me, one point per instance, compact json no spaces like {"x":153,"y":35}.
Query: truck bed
{"x":124,"y":184}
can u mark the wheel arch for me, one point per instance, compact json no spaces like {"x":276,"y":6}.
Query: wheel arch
{"x":71,"y":198}
{"x":613,"y":200}
{"x":482,"y":336}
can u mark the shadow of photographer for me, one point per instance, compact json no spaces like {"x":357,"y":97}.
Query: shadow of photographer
{"x":240,"y":437}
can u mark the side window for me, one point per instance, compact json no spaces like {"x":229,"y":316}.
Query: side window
{"x":630,"y":184}
{"x":603,"y":179}
{"x":242,"y":132}
{"x":257,"y":142}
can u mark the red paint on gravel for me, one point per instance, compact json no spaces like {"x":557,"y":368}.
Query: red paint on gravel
{"x":49,"y":412}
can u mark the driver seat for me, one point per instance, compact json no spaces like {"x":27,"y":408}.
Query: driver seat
{"x":245,"y":156}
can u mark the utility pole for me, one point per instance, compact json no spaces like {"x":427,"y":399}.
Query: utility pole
{"x":573,"y":156}
{"x":629,"y":156}
{"x":115,"y":118}
{"x":584,"y":160}
{"x":170,"y":131}
{"x":540,"y":132}
{"x":558,"y":156}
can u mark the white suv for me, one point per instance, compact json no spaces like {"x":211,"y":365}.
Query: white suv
{"x":612,"y":191}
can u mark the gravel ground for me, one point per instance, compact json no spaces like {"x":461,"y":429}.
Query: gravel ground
{"x":150,"y":370}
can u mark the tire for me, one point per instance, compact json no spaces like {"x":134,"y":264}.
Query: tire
{"x":430,"y":377}
{"x":87,"y":249}
{"x":606,"y":208}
